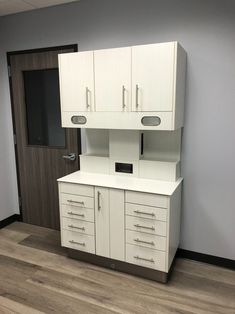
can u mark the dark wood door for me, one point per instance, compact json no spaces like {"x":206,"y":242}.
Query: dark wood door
{"x":41,"y":142}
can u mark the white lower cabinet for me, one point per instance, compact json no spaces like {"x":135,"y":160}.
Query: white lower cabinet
{"x":128,"y":226}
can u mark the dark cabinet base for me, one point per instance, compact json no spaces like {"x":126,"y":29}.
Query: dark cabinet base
{"x":124,"y":267}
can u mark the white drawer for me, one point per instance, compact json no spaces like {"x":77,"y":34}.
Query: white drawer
{"x":146,"y":257}
{"x":77,"y":201}
{"x":146,"y":211}
{"x":78,"y":226}
{"x":148,"y":199}
{"x":146,"y":240}
{"x":81,"y":213}
{"x":146,"y":225}
{"x":78,"y":241}
{"x":77,"y":189}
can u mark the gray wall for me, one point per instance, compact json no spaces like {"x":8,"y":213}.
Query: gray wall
{"x":205,"y":28}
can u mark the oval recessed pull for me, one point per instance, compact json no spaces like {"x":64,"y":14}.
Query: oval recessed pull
{"x":151,"y":121}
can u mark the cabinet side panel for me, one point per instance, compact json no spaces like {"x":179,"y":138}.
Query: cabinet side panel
{"x":180,"y":78}
{"x":117,"y":225}
{"x":174,"y":224}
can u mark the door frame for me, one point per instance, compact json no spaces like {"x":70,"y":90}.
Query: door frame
{"x":19,"y":52}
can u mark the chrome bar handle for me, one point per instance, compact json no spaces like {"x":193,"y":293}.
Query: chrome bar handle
{"x":98,"y":195}
{"x":144,"y":213}
{"x":79,"y":243}
{"x":145,"y":242}
{"x":144,"y":227}
{"x":74,"y":227}
{"x":76,"y":202}
{"x":74,"y":214}
{"x":151,"y":260}
{"x":87,"y":98}
{"x":123,"y":97}
{"x":70,"y":157}
{"x":137,"y":95}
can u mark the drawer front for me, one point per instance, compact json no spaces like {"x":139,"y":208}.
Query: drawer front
{"x":78,"y":226}
{"x":76,"y":212}
{"x":77,"y":189}
{"x":148,"y":199}
{"x":146,"y":225}
{"x":146,"y":240}
{"x":146,"y":257}
{"x":146,"y":212}
{"x":78,"y":241}
{"x":77,"y":201}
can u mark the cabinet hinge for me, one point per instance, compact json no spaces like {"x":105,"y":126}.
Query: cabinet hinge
{"x":9,"y":70}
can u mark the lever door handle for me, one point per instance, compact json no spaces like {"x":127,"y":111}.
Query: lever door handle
{"x":71,"y":157}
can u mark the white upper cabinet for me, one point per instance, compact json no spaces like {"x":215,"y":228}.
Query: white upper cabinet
{"x":140,"y":87}
{"x":153,"y":77}
{"x":113,"y":79}
{"x":77,"y":81}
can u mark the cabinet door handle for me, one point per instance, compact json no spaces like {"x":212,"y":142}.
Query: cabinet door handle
{"x":123,"y":97}
{"x":76,"y":202}
{"x":151,"y":260}
{"x":137,"y":95}
{"x":78,"y":243}
{"x":74,"y":214}
{"x":98,"y":196}
{"x":144,"y":213}
{"x":145,"y":242}
{"x":144,"y":227}
{"x":74,"y":227}
{"x":87,"y":98}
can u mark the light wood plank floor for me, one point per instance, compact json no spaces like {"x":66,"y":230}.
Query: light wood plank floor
{"x":37,"y":277}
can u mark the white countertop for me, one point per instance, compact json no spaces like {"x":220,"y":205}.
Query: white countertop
{"x":122,"y":182}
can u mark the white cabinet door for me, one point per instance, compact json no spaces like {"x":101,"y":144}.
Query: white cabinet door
{"x":102,"y":221}
{"x":77,"y":81}
{"x":153,"y":77}
{"x":117,"y":224}
{"x":113,"y":79}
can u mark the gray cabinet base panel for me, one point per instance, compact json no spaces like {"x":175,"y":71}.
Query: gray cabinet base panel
{"x":128,"y":268}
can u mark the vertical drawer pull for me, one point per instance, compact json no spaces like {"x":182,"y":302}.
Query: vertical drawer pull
{"x":74,"y":214}
{"x":144,"y":227}
{"x":78,"y":243}
{"x":76,"y":202}
{"x":74,"y":227}
{"x":151,"y":260}
{"x":144,"y":213}
{"x":145,"y":242}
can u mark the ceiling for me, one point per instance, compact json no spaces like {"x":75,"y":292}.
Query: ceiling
{"x":16,"y":6}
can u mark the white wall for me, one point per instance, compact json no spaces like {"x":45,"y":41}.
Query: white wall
{"x":205,"y":28}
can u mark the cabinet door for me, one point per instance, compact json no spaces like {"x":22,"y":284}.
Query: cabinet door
{"x":102,"y":221}
{"x":153,"y":77}
{"x":76,"y":81}
{"x":117,"y":224}
{"x":113,"y":79}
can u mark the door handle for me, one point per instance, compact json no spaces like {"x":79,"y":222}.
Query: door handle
{"x":98,"y":195}
{"x":71,"y":157}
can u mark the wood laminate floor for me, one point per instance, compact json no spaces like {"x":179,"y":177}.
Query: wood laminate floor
{"x":37,"y":277}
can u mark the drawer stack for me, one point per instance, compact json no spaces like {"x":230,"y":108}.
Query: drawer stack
{"x":77,"y":217}
{"x":146,"y":229}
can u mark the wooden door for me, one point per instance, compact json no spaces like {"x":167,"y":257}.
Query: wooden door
{"x":77,"y":81}
{"x":153,"y":77}
{"x":41,"y":142}
{"x":113,"y":79}
{"x":102,"y":221}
